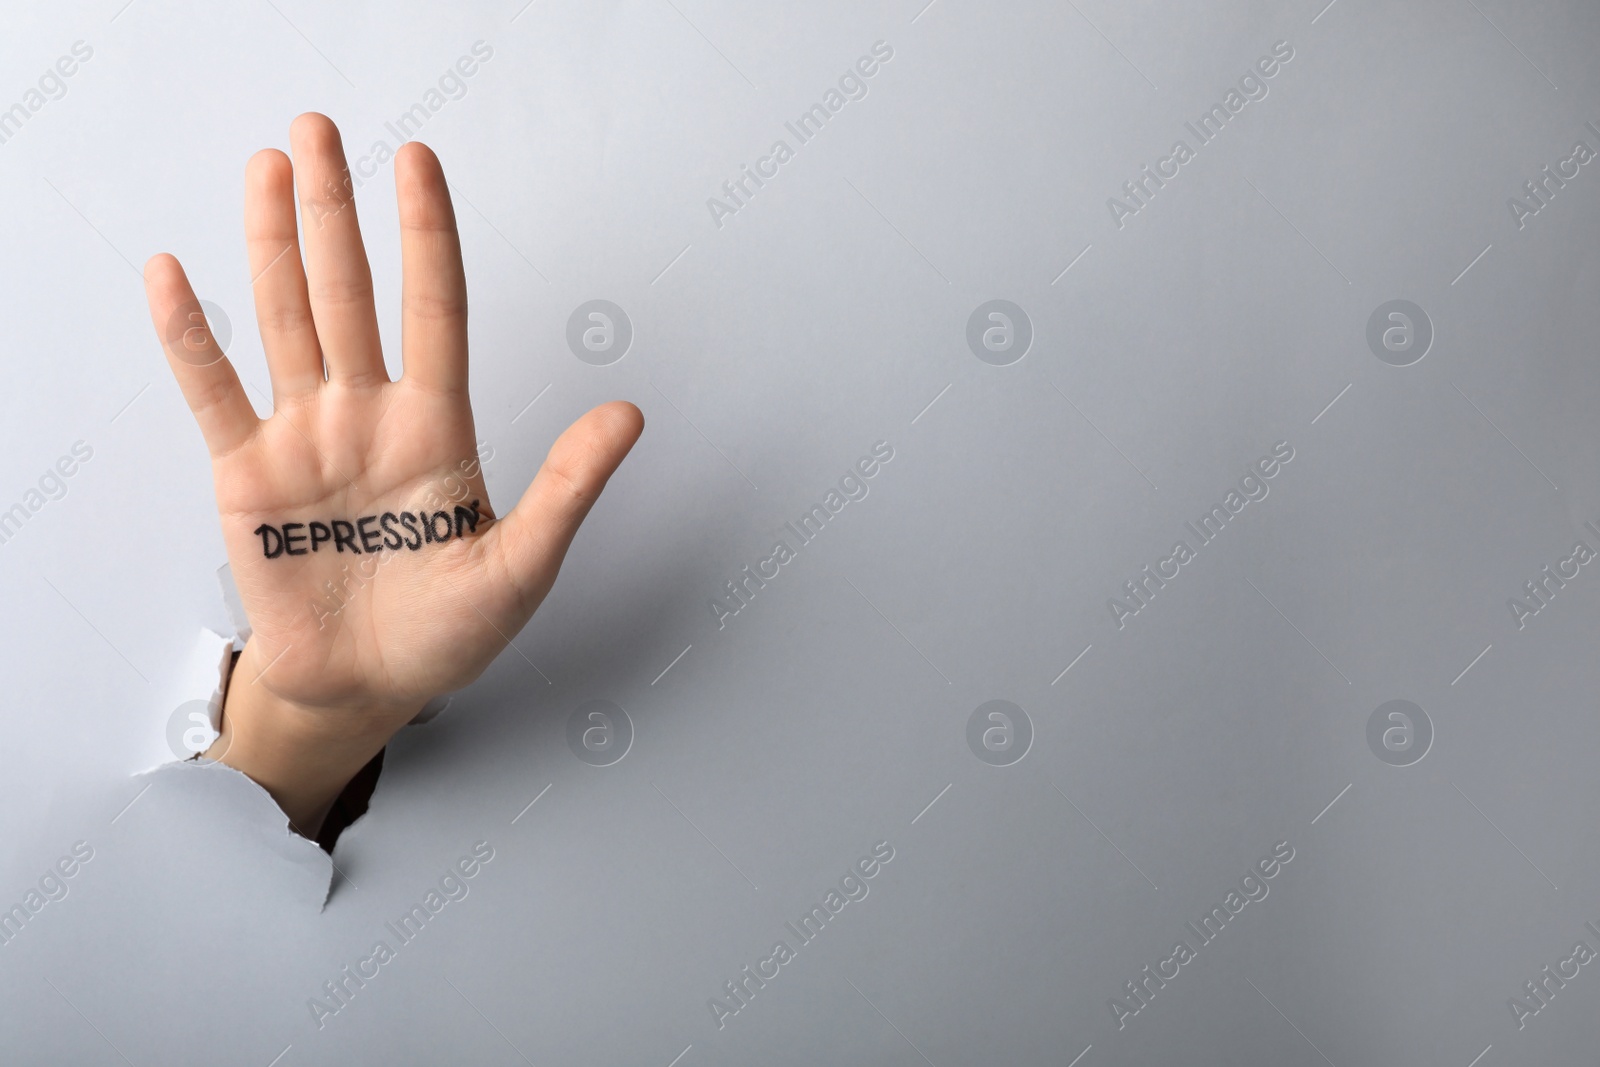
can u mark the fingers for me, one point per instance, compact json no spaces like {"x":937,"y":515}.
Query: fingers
{"x":533,"y":539}
{"x":283,"y":308}
{"x":433,"y":305}
{"x":204,"y":374}
{"x":340,"y":282}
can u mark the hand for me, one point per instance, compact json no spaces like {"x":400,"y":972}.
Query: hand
{"x":351,"y":638}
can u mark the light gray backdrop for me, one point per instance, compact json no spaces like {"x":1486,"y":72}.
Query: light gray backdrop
{"x":1149,"y":357}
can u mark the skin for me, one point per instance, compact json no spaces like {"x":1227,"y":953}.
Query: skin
{"x":316,"y":694}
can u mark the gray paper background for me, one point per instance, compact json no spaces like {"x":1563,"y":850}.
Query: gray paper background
{"x":831,"y":713}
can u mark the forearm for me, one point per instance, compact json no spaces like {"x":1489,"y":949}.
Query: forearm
{"x":304,"y":757}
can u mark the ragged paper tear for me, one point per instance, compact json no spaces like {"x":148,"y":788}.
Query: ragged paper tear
{"x":235,"y":605}
{"x":216,"y":802}
{"x":190,"y":707}
{"x":191,"y":710}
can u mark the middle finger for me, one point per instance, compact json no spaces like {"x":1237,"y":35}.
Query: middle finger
{"x":336,"y":262}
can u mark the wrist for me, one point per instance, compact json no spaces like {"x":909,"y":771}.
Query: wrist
{"x":303,"y":755}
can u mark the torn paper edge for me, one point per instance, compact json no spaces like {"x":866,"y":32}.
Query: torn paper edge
{"x":203,"y":677}
{"x":261,"y":813}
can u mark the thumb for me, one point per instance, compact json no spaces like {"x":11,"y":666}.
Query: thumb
{"x":533,"y":540}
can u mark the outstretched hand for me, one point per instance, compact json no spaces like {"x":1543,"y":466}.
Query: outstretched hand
{"x":371,"y":564}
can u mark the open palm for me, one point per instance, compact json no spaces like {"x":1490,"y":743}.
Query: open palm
{"x":367,"y":620}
